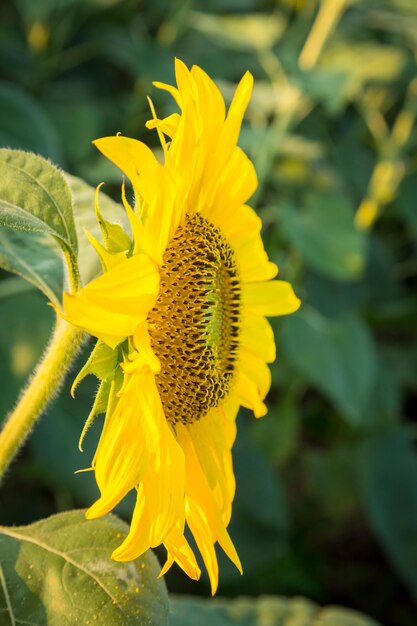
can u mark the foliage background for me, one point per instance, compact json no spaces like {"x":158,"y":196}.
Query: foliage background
{"x":326,"y":505}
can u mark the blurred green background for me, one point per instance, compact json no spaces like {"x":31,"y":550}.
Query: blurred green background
{"x":326,"y":505}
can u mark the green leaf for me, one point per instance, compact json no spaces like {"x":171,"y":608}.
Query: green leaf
{"x":326,"y":236}
{"x":25,"y":125}
{"x":331,"y":479}
{"x":263,"y":611}
{"x":278,"y":435}
{"x":253,"y":31}
{"x":85,"y":218}
{"x":35,"y":257}
{"x":336,"y":356}
{"x":58,"y":572}
{"x":35,"y":197}
{"x":387,"y":470}
{"x":35,"y":213}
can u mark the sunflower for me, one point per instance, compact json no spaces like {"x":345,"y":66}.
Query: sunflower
{"x":179,"y":314}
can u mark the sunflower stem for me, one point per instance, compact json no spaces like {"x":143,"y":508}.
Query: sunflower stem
{"x":42,"y":388}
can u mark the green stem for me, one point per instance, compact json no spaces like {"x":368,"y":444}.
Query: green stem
{"x":42,"y":388}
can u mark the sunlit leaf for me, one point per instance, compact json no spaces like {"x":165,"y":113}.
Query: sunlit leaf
{"x":253,"y":31}
{"x":35,"y":216}
{"x":58,"y":571}
{"x":35,"y":197}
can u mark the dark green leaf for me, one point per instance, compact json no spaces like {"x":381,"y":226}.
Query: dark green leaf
{"x":58,"y":572}
{"x":277,"y":435}
{"x":330,"y":475}
{"x":387,"y":470}
{"x":325,"y":234}
{"x":263,"y":611}
{"x":336,"y":356}
{"x":24,"y":124}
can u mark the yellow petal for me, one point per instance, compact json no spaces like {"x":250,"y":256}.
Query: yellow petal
{"x":249,"y":395}
{"x":111,"y":306}
{"x":256,"y":370}
{"x":170,"y":89}
{"x":160,"y":504}
{"x":184,"y":82}
{"x":111,"y":328}
{"x":202,"y":514}
{"x":204,"y":540}
{"x":180,"y":552}
{"x":237,"y":109}
{"x":133,"y":157}
{"x":130,"y":436}
{"x":275,"y":297}
{"x":257,"y":337}
{"x":230,"y":180}
{"x":253,"y":261}
{"x":210,"y":99}
{"x":241,"y":223}
{"x":168,"y":125}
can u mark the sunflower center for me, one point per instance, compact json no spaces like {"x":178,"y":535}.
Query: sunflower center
{"x":194,"y":325}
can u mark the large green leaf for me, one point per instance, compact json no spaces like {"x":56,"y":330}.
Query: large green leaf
{"x":263,"y":611}
{"x":325,"y":234}
{"x":387,"y":470}
{"x":58,"y":572}
{"x":35,"y":216}
{"x":336,"y":356}
{"x":35,"y":257}
{"x":35,"y":197}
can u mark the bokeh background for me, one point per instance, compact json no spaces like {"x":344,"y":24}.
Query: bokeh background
{"x":326,"y":505}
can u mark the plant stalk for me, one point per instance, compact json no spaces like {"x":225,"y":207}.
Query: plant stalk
{"x":42,"y":388}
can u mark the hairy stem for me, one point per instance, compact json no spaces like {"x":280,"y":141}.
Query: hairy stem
{"x":41,"y":389}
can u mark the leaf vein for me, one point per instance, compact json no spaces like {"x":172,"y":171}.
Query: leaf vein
{"x":49,"y":195}
{"x":10,"y":533}
{"x":37,"y":279}
{"x":6,"y":595}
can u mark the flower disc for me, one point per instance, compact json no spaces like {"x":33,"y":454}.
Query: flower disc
{"x":194,"y":325}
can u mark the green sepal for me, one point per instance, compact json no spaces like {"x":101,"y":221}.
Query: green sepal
{"x":99,"y":406}
{"x":111,"y":383}
{"x":102,"y":363}
{"x":115,"y":239}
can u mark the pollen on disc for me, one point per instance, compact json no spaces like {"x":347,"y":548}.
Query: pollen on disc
{"x":194,"y":325}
